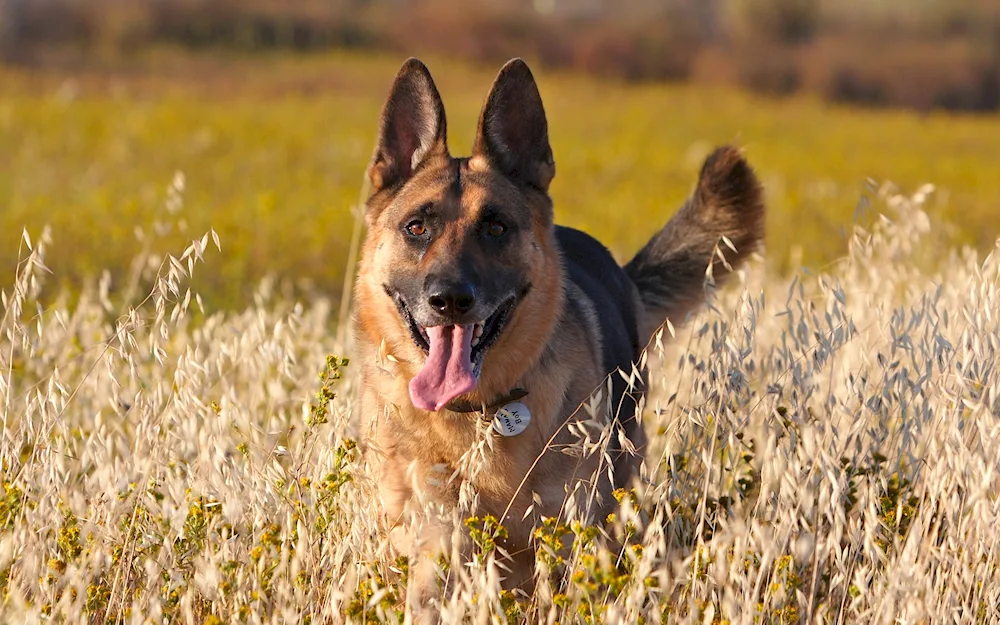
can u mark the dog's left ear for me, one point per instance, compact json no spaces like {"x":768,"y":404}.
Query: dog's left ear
{"x":513,"y":133}
{"x":412,"y":127}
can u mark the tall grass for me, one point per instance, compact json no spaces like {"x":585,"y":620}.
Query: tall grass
{"x":823,"y":448}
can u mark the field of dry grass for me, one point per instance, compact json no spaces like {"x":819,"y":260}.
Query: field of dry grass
{"x":824,"y":450}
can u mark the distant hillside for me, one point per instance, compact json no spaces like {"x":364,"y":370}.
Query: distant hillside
{"x":923,"y":55}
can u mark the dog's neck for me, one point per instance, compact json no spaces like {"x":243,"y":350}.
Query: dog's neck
{"x":513,"y":394}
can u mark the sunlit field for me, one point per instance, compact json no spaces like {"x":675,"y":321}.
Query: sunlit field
{"x":273,"y":150}
{"x":824,"y":448}
{"x":179,"y":441}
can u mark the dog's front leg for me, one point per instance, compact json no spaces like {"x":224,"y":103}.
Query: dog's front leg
{"x":428,"y":542}
{"x":423,"y":524}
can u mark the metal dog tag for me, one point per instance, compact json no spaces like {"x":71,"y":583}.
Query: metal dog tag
{"x":512,"y":419}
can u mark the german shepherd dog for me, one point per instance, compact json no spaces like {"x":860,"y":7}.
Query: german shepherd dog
{"x":469,"y":298}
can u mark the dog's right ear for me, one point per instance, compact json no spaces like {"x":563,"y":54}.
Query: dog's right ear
{"x":411,"y":129}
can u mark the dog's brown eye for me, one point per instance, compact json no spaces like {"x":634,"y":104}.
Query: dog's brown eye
{"x":495,"y":228}
{"x":416,"y":228}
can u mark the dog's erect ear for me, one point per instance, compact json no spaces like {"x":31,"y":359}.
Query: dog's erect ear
{"x":411,"y":129}
{"x":513,"y":133}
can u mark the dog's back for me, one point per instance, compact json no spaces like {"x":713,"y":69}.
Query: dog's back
{"x":665,"y":280}
{"x":600,"y":284}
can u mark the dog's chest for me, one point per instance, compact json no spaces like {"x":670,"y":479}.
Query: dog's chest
{"x":468,"y":446}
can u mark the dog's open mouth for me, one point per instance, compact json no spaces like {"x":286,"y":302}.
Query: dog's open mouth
{"x":454,"y":355}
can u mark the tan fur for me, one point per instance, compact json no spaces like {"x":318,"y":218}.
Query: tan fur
{"x":552,"y":346}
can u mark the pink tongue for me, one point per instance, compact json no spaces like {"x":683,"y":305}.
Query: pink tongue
{"x":447,"y":372}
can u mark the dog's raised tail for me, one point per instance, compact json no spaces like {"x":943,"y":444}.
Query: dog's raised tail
{"x":669,"y":271}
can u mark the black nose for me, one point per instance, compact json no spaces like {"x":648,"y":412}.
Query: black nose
{"x":451,"y":298}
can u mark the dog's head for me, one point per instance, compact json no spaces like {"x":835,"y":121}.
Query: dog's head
{"x":461,"y":247}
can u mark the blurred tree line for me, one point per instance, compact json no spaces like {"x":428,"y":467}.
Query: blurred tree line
{"x":922,"y":54}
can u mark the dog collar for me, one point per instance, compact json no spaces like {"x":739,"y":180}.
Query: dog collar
{"x":467,"y":406}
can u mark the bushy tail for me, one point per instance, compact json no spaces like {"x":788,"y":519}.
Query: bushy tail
{"x":669,"y":271}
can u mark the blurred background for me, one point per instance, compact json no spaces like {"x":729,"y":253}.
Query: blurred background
{"x":268,"y":108}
